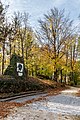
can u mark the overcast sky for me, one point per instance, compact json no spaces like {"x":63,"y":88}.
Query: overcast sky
{"x":36,"y":8}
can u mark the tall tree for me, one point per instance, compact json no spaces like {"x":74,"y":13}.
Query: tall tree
{"x":3,"y":31}
{"x":55,"y":31}
{"x":20,"y":22}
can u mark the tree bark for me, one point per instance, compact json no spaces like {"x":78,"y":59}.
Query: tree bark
{"x":61,"y":75}
{"x":66,"y":63}
{"x":3,"y":57}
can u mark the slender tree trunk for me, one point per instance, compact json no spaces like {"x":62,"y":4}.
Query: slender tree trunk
{"x":18,"y":47}
{"x":10,"y":49}
{"x":55,"y":69}
{"x":61,"y":75}
{"x":71,"y":65}
{"x":3,"y":52}
{"x":22,"y":48}
{"x":66,"y":63}
{"x":55,"y":73}
{"x":74,"y":49}
{"x":65,"y":78}
{"x":14,"y":48}
{"x":26,"y":62}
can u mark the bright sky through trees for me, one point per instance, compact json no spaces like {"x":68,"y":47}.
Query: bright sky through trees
{"x":36,"y":8}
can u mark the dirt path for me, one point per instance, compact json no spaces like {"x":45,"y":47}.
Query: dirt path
{"x":64,"y":106}
{"x":71,"y":91}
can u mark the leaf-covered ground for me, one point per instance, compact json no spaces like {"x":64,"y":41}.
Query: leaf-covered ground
{"x":7,"y":107}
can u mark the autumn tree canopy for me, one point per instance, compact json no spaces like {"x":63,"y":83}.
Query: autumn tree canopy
{"x":51,"y":51}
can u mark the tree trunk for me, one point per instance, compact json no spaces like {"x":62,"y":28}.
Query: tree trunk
{"x":61,"y":75}
{"x":3,"y":52}
{"x":18,"y":47}
{"x":66,"y":63}
{"x":55,"y":69}
{"x":71,"y":65}
{"x":10,"y":50}
{"x":26,"y":61}
{"x":14,"y":49}
{"x":65,"y":78}
{"x":55,"y":75}
{"x":22,"y":48}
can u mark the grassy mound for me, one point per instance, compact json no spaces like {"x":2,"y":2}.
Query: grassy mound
{"x":11,"y":85}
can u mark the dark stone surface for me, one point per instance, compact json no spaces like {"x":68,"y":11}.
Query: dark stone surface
{"x":12,"y":68}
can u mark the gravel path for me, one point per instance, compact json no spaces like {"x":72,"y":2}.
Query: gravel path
{"x":65,"y":106}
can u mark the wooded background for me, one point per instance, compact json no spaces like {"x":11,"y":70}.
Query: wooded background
{"x":51,"y":52}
